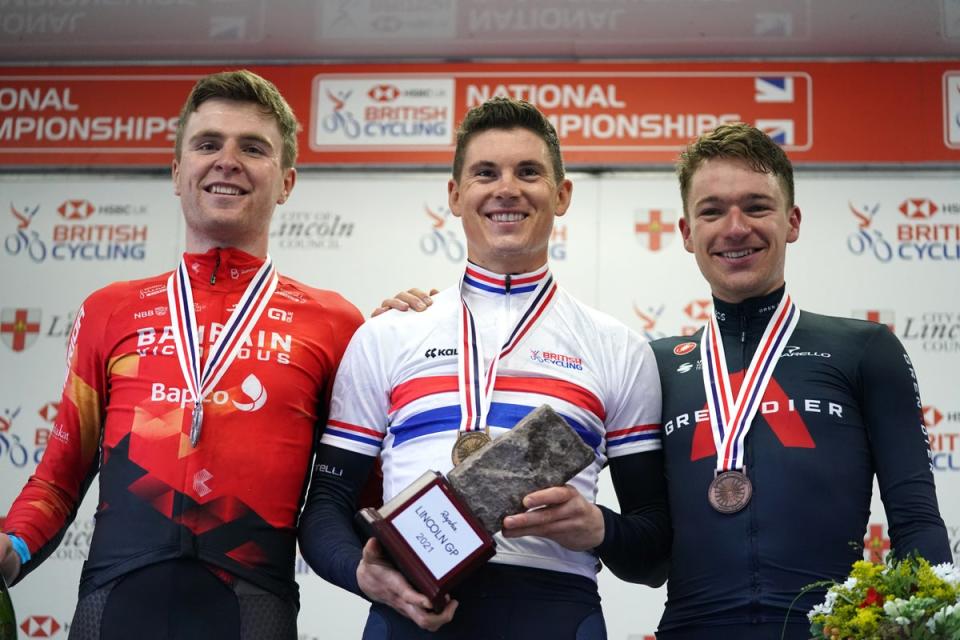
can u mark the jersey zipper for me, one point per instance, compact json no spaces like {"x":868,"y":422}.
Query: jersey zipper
{"x":216,"y":267}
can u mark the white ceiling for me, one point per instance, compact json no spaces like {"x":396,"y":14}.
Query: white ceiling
{"x":231,"y":31}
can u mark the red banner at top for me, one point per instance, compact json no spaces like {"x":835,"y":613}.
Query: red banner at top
{"x":611,"y":114}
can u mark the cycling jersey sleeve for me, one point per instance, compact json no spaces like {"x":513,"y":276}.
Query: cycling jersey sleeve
{"x":633,"y":399}
{"x":636,"y":542}
{"x":328,"y":540}
{"x":48,"y":502}
{"x":892,"y":411}
{"x":360,"y":404}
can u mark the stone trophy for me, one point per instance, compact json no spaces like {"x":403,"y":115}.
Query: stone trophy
{"x":438,"y":529}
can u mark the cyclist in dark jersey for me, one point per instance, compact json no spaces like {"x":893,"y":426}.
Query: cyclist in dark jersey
{"x":198,"y":396}
{"x":774,"y":494}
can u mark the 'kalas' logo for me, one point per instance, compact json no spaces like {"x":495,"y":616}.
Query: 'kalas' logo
{"x":76,"y":209}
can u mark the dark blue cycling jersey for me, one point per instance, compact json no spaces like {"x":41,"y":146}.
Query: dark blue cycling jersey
{"x":842,"y":407}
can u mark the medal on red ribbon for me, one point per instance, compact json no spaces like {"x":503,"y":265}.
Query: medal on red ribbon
{"x":731,"y":419}
{"x":200,"y":381}
{"x":476,"y":384}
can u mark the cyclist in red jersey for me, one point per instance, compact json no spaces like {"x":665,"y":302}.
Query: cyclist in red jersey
{"x":198,"y":395}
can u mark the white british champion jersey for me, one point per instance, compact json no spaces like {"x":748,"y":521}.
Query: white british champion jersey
{"x":396,"y":392}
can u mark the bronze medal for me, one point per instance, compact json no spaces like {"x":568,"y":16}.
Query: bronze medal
{"x":467,"y":443}
{"x":729,"y":491}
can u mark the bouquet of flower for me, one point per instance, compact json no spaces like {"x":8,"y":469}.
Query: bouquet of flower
{"x":903,"y":599}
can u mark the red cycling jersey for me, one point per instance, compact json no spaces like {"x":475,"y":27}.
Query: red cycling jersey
{"x":232,"y":501}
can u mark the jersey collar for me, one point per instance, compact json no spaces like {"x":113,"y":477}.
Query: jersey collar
{"x":477,"y":278}
{"x":749,"y":315}
{"x":222,"y":268}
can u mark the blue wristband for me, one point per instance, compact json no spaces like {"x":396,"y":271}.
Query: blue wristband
{"x":21,"y":548}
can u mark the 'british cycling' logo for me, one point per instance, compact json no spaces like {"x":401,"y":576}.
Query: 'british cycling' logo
{"x":921,"y":234}
{"x":441,"y":239}
{"x":24,"y":239}
{"x":76,"y":238}
{"x":375,"y":113}
{"x":556,"y":359}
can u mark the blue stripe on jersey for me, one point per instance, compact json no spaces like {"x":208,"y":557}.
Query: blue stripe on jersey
{"x":506,"y":415}
{"x":426,"y":423}
{"x":501,"y":415}
{"x":653,"y":435}
{"x":349,"y":435}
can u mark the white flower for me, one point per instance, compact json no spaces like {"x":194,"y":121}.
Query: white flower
{"x":826,"y":607}
{"x":850,"y":583}
{"x":947,"y":572}
{"x":938,"y":618}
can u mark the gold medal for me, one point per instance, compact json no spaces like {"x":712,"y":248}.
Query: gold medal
{"x":730,"y":491}
{"x":467,"y":443}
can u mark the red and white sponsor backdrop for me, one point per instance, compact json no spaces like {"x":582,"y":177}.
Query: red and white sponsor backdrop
{"x":607,"y":114}
{"x":882,"y":244}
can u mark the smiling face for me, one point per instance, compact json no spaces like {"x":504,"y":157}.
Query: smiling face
{"x":229,"y":176}
{"x":507,"y":197}
{"x":738,"y":228}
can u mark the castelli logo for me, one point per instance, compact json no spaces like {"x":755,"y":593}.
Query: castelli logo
{"x":684,"y":348}
{"x":76,"y":209}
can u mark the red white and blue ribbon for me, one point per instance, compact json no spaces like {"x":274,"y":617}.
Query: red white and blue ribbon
{"x":200,"y":381}
{"x":475,"y":383}
{"x":730,"y":419}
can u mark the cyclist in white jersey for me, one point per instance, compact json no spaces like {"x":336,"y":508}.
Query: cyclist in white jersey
{"x":399,"y":394}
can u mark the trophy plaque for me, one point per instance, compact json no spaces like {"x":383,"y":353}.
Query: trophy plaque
{"x":430,"y":535}
{"x":438,"y":530}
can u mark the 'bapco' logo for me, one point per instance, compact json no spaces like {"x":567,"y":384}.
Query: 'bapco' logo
{"x":251,"y":387}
